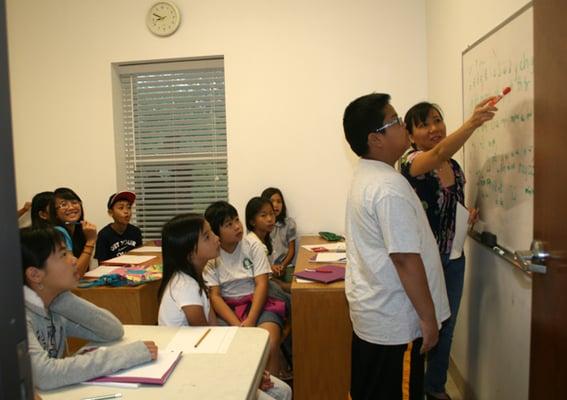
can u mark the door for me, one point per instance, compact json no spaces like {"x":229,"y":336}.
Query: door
{"x":548,"y":363}
{"x":15,"y":370}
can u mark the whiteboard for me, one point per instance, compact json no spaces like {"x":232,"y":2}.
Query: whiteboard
{"x":499,"y":157}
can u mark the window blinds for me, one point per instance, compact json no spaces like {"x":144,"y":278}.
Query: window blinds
{"x":174,"y":139}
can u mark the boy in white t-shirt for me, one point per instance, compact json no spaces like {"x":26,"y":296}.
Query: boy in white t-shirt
{"x":238,"y":280}
{"x":394,"y":279}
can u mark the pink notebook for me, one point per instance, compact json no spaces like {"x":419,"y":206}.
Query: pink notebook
{"x":153,"y":373}
{"x":323,"y":273}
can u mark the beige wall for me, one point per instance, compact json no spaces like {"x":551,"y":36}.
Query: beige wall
{"x":492,"y":338}
{"x":291,"y":68}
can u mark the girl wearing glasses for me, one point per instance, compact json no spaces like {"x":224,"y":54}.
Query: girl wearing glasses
{"x":439,"y":182}
{"x":66,"y":214}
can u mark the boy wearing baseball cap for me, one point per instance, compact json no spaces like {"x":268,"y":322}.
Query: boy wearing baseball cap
{"x":119,"y":236}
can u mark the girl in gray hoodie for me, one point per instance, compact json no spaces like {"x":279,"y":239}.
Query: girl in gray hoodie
{"x":53,"y":313}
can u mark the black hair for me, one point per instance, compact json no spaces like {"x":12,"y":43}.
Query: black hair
{"x":40,"y":202}
{"x":37,"y":244}
{"x":78,"y":237}
{"x":252,"y":209}
{"x":268,"y":193}
{"x":362,"y":117}
{"x":179,"y":239}
{"x":218,"y":213}
{"x":418,"y":114}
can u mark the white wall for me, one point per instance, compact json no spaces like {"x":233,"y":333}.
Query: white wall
{"x":492,"y":338}
{"x":291,"y":68}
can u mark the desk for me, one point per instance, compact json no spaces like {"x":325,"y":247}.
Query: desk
{"x":322,"y":332}
{"x":233,"y":375}
{"x":130,"y":304}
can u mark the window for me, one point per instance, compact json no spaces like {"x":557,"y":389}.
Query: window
{"x":171,"y":138}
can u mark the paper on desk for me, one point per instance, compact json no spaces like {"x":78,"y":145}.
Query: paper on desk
{"x":100,"y":271}
{"x":461,"y":227}
{"x":128,"y":259}
{"x":146,"y":249}
{"x":217,"y":341}
{"x":334,"y":247}
{"x":299,"y":280}
{"x":329,"y":257}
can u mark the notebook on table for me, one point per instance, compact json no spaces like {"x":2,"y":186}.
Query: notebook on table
{"x":329,"y":257}
{"x":128,"y":260}
{"x":146,"y":249}
{"x":324,"y":274}
{"x":153,"y":373}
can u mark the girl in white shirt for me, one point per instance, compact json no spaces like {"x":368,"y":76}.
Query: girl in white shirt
{"x":188,"y":243}
{"x":238,"y":279}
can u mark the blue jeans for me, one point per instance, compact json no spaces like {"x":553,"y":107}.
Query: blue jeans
{"x":438,"y":357}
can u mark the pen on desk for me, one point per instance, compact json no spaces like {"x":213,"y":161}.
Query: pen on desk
{"x":323,"y":271}
{"x":202,"y":337}
{"x":104,"y":397}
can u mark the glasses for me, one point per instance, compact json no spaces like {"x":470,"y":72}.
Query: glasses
{"x":397,"y":120}
{"x":67,"y":204}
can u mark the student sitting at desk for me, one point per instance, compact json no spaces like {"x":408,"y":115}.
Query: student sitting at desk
{"x":53,"y":313}
{"x":238,"y":280}
{"x":119,"y":236}
{"x":282,"y":237}
{"x":67,"y":215}
{"x":188,"y":243}
{"x":260,"y":222}
{"x":394,"y":278}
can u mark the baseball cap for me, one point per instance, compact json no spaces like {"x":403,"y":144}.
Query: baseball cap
{"x":130,"y":197}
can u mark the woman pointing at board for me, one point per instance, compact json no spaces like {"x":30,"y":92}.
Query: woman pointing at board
{"x":439,"y":182}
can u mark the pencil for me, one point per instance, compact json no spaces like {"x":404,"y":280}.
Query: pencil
{"x":202,"y":337}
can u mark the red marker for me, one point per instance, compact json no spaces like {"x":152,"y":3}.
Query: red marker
{"x":505,"y":91}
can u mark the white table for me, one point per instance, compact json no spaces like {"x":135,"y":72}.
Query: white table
{"x":234,"y":375}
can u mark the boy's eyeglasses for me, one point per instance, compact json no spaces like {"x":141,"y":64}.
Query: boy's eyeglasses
{"x":397,"y":120}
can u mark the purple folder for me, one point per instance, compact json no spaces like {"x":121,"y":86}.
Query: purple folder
{"x":323,"y":273}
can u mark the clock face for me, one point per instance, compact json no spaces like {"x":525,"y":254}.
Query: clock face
{"x":163,"y":18}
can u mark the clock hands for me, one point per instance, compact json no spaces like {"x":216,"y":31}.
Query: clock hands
{"x":159,"y":17}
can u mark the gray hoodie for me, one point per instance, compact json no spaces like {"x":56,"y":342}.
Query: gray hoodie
{"x":69,"y":315}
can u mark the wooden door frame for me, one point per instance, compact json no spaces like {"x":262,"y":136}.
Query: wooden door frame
{"x":548,"y":369}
